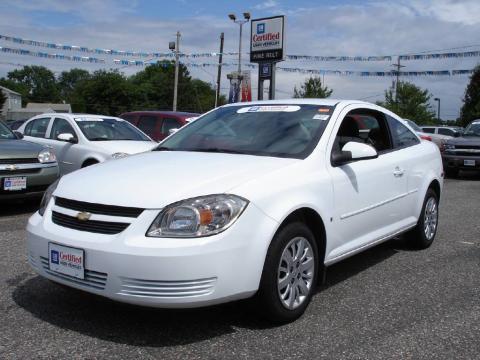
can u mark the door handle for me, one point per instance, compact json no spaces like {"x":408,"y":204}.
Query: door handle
{"x":398,"y":172}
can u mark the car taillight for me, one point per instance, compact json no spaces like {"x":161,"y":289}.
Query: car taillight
{"x":426,"y":137}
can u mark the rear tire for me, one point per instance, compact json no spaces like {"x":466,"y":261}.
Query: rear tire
{"x":289,"y":275}
{"x":423,"y":234}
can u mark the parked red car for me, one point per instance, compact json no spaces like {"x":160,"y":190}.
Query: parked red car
{"x":157,"y":124}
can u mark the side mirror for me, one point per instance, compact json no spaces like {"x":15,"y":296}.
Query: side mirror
{"x":353,"y":151}
{"x":67,"y":137}
{"x":172,"y":131}
{"x":18,"y":135}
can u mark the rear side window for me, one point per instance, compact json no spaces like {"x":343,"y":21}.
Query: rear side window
{"x":37,"y":127}
{"x":61,"y":126}
{"x":169,"y":124}
{"x":401,"y":135}
{"x":129,"y":118}
{"x":447,"y":132}
{"x":429,"y":130}
{"x":147,"y":123}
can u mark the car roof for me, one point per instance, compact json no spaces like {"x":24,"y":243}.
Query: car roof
{"x":325,"y":102}
{"x":73,"y":115}
{"x":161,"y":112}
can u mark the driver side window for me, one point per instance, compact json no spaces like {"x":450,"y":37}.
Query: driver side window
{"x":364,"y":126}
{"x":61,"y":126}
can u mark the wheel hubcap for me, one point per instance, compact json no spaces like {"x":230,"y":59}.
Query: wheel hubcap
{"x":431,"y":218}
{"x":295,"y":272}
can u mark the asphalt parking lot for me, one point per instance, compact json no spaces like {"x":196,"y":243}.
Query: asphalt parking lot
{"x":389,"y":302}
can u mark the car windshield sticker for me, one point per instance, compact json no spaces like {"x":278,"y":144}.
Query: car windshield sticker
{"x":269,"y":108}
{"x":321,"y":117}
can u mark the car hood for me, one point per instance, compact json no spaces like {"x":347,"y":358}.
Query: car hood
{"x":155,"y":179}
{"x":11,"y":149}
{"x":124,"y":146}
{"x":465,"y":141}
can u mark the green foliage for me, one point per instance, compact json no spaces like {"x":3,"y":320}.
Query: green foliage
{"x":412,"y":103}
{"x":68,"y":80}
{"x":312,"y":88}
{"x":35,"y":83}
{"x":110,"y":92}
{"x":471,"y":102}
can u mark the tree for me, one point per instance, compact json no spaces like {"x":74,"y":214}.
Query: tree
{"x":105,"y":92}
{"x":471,"y":102}
{"x":35,"y":83}
{"x":312,"y":88}
{"x":68,"y":80}
{"x":412,"y":103}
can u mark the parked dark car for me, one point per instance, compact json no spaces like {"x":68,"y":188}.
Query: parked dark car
{"x":157,"y":124}
{"x":463,"y":153}
{"x":26,"y":169}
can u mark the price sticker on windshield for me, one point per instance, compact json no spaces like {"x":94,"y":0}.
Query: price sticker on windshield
{"x":268,"y":108}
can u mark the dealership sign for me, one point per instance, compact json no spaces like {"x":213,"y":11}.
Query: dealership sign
{"x":267,"y":39}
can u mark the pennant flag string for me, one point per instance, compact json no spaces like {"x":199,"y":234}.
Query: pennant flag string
{"x":145,"y":54}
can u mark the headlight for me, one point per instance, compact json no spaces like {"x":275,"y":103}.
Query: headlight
{"x":119,"y":155}
{"x":46,"y":156}
{"x":47,"y":196}
{"x":196,"y":217}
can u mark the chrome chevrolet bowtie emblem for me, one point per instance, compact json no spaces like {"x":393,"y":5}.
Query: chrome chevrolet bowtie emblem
{"x":12,"y":167}
{"x":83,"y":216}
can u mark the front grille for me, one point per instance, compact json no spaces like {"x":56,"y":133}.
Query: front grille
{"x":92,"y":279}
{"x":20,"y":171}
{"x":167,"y":289}
{"x":111,"y":210}
{"x":467,"y":147}
{"x":95,"y":226}
{"x":19,"y":161}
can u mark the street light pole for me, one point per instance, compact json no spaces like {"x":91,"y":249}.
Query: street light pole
{"x":438,"y":109}
{"x":175,"y":87}
{"x":240,"y":22}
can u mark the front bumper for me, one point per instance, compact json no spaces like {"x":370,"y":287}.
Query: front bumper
{"x":160,"y":272}
{"x":457,"y":161}
{"x":39,"y":177}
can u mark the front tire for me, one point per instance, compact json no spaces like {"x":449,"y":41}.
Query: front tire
{"x":290,"y":274}
{"x":423,"y":234}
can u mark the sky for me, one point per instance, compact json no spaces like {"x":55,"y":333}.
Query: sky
{"x":322,"y":27}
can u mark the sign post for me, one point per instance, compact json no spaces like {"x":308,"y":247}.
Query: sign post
{"x":267,"y":42}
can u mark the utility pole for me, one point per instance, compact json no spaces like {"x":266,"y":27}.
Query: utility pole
{"x":219,"y":74}
{"x":438,"y":110}
{"x":175,"y":87}
{"x":397,"y":71}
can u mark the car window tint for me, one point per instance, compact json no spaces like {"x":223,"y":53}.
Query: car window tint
{"x":169,"y":124}
{"x":38,"y":127}
{"x":447,"y":132}
{"x":61,"y":126}
{"x":401,"y":135}
{"x":147,"y":123}
{"x":129,"y":118}
{"x":429,"y":130}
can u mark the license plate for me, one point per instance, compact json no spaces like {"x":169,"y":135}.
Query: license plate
{"x":66,"y":260}
{"x":15,"y":183}
{"x":469,"y":162}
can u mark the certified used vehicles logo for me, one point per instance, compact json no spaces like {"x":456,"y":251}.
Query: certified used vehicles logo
{"x":83,"y":216}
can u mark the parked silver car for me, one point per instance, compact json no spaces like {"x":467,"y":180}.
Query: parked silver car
{"x":81,"y":140}
{"x":438,"y":139}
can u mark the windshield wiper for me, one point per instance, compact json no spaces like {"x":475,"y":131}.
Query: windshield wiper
{"x":163,"y":148}
{"x":100,"y":139}
{"x":217,"y":150}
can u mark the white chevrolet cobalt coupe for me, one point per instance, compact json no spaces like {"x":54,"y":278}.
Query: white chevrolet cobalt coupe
{"x":252,"y":199}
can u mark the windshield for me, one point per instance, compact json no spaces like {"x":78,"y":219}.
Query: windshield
{"x":414,"y":126}
{"x":6,"y":133}
{"x":267,"y":130}
{"x":108,"y":129}
{"x":472,"y":130}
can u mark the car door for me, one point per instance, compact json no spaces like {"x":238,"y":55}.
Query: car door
{"x":36,"y":130}
{"x":68,"y":160}
{"x":368,"y":194}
